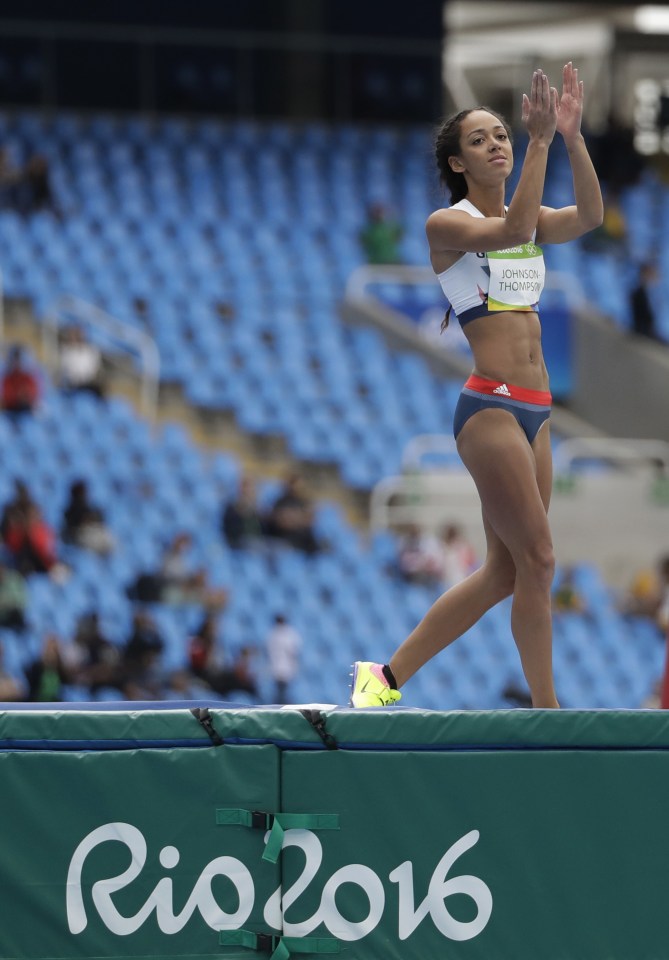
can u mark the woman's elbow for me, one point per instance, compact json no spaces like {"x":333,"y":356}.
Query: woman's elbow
{"x":591,"y":219}
{"x":517,"y":235}
{"x":596,"y":220}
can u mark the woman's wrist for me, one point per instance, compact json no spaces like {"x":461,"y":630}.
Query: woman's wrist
{"x":539,"y":142}
{"x":574,"y":142}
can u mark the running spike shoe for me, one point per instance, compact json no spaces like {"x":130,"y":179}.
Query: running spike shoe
{"x":370,"y":687}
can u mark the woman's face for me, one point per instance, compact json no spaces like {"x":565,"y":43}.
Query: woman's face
{"x":486,"y":154}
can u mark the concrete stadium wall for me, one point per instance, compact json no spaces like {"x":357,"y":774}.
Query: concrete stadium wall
{"x":621,"y":381}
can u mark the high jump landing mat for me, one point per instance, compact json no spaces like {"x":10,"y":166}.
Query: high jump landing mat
{"x":188,"y":830}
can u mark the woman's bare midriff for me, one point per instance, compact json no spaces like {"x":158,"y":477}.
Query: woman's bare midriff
{"x":507,"y":346}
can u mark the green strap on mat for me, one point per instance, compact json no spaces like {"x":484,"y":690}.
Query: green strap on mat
{"x":277,"y":824}
{"x":283,"y":947}
{"x":295,"y":821}
{"x":234,"y":816}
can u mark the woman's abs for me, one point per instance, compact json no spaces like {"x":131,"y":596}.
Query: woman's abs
{"x":507,"y":346}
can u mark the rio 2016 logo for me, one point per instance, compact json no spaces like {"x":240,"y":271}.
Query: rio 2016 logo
{"x":202,"y":899}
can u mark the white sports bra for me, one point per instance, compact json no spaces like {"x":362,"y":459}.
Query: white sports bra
{"x":482,"y":284}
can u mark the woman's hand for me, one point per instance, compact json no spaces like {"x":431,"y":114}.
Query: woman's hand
{"x":540,"y":108}
{"x":570,"y":106}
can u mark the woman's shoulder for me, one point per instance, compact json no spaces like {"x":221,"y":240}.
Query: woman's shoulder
{"x":467,"y":206}
{"x":462,"y":206}
{"x":444,"y":215}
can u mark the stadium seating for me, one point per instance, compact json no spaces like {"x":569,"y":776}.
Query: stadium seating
{"x":346,"y":601}
{"x":262,"y":221}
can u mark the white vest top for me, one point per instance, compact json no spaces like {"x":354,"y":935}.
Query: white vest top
{"x":481,"y":284}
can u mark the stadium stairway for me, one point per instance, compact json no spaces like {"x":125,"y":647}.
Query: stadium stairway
{"x":260,"y":456}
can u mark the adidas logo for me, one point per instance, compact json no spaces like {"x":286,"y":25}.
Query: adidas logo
{"x":503,"y":390}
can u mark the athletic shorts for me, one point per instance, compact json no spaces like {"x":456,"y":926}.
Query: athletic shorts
{"x":531,"y":408}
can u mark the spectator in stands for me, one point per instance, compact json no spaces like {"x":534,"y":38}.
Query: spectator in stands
{"x":206,"y":661}
{"x":203,"y":648}
{"x":615,"y":158}
{"x":19,"y":503}
{"x":641,"y":597}
{"x":84,"y":524}
{"x":291,"y":516}
{"x":142,"y":310}
{"x":244,"y":670}
{"x":31,"y":542}
{"x":13,"y":598}
{"x":93,"y":661}
{"x":283,"y":646}
{"x":141,"y":676}
{"x":420,"y":557}
{"x":641,"y":304}
{"x":80,"y":363}
{"x":33,"y":191}
{"x":501,"y":419}
{"x":648,"y":595}
{"x":242,"y":521}
{"x":566,"y":597}
{"x":9,"y":178}
{"x":182,"y":581}
{"x":11,"y":690}
{"x":381,"y":235}
{"x":47,"y":674}
{"x":20,"y":388}
{"x":458,"y":556}
{"x":23,"y":530}
{"x":147,"y":588}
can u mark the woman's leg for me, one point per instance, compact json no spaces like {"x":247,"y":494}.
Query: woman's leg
{"x":514,"y":482}
{"x":458,"y":609}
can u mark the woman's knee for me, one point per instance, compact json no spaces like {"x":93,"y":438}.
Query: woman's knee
{"x":538,"y":563}
{"x":502,"y":577}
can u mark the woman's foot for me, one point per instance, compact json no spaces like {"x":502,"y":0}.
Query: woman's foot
{"x":370,"y":688}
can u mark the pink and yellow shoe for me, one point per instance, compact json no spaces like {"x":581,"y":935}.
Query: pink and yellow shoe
{"x":370,"y":687}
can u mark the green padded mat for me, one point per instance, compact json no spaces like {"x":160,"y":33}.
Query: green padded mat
{"x":176,"y":831}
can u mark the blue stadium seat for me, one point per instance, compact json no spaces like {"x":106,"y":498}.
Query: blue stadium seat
{"x":170,"y":210}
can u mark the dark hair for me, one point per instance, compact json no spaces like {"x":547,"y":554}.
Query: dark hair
{"x":447,"y":144}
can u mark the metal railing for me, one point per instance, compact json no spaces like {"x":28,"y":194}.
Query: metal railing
{"x":68,"y":309}
{"x":632,"y":451}
{"x":433,"y":484}
{"x":427,"y":444}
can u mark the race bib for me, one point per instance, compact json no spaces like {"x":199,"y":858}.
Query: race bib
{"x":516,"y":277}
